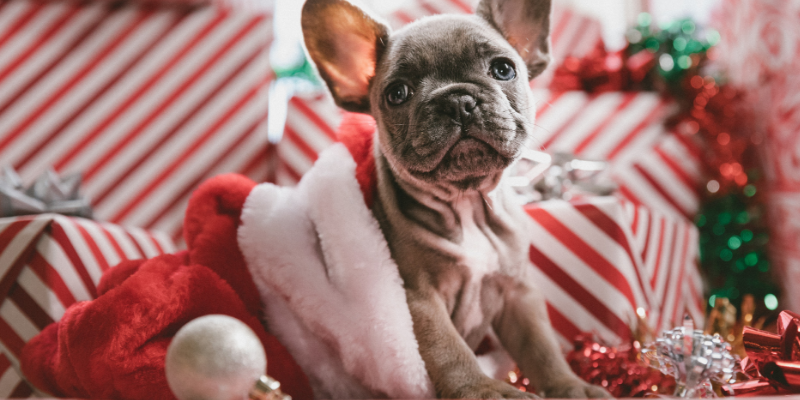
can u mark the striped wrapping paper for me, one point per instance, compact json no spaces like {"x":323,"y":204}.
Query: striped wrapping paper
{"x":670,"y":255}
{"x":11,"y":383}
{"x":415,"y":9}
{"x":599,"y":261}
{"x":311,"y":124}
{"x":47,"y":263}
{"x":650,"y":165}
{"x":145,"y":101}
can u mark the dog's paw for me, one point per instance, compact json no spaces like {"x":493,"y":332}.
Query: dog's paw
{"x":488,"y":389}
{"x":576,"y":389}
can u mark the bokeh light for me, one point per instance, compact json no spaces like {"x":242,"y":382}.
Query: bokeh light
{"x":666,"y":62}
{"x":684,"y":62}
{"x":771,"y":301}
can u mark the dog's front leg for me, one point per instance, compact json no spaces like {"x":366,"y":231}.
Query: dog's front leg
{"x":450,"y":362}
{"x":524,"y":329}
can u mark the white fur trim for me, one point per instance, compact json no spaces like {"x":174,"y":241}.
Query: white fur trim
{"x":333,"y":294}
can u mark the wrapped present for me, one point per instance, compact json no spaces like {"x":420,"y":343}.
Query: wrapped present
{"x":256,"y":5}
{"x":416,"y":9}
{"x":11,"y":383}
{"x":145,"y":100}
{"x":311,"y":123}
{"x":604,"y":263}
{"x":650,"y":165}
{"x":47,"y":263}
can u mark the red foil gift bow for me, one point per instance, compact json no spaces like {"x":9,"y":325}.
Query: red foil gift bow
{"x":773,"y":360}
{"x":617,"y":369}
{"x":602,"y":71}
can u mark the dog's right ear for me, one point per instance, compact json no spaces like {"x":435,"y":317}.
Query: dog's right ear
{"x":526,"y":26}
{"x":345,"y":44}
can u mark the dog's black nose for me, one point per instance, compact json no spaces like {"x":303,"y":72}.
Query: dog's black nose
{"x":458,"y":106}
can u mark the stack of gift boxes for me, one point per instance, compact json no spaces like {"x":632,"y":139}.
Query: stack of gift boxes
{"x":148,"y":100}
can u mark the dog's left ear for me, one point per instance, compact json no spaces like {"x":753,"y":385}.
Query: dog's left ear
{"x":345,"y":43}
{"x":526,"y":26}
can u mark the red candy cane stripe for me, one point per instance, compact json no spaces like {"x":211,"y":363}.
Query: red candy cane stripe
{"x":310,"y":128}
{"x":11,"y":383}
{"x":63,"y":265}
{"x":599,"y":262}
{"x":140,"y":99}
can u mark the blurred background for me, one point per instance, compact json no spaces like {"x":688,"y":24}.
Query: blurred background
{"x":614,"y":15}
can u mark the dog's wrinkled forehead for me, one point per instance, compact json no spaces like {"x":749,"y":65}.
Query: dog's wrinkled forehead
{"x":444,"y":47}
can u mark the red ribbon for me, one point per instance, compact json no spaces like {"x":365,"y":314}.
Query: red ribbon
{"x":772,"y":359}
{"x":601,"y":71}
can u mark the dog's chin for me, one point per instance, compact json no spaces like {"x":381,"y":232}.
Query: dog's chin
{"x":467,"y":165}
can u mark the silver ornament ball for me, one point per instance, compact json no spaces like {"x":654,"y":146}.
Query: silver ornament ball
{"x":214,"y":357}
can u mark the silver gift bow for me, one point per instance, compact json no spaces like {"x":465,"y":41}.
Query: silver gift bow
{"x":694,"y":359}
{"x":540,"y":176}
{"x":49,"y":193}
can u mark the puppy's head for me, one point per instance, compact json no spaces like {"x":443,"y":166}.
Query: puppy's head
{"x":449,"y":93}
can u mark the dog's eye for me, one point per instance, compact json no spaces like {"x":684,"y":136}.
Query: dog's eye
{"x":398,"y":94}
{"x":503,"y":70}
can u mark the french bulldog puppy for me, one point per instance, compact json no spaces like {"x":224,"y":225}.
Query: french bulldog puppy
{"x":451,"y":98}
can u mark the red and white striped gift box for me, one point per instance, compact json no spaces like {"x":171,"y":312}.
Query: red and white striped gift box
{"x":598,"y":262}
{"x":48,"y":262}
{"x":415,"y":9}
{"x":145,"y":101}
{"x":652,"y":166}
{"x":311,"y":123}
{"x":12,"y":386}
{"x":666,"y":177}
{"x":670,"y":255}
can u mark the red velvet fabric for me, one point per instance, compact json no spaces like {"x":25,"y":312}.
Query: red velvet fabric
{"x":357,"y":133}
{"x":114,"y":347}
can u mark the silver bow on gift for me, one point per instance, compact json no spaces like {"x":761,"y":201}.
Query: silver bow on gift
{"x":540,"y":176}
{"x":694,"y":359}
{"x":49,"y":193}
